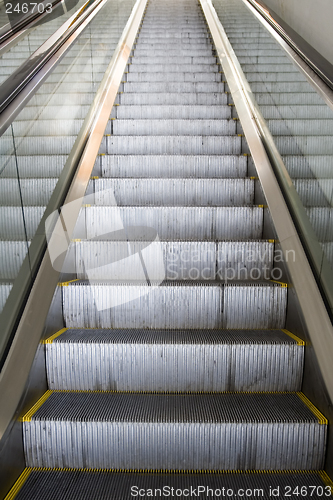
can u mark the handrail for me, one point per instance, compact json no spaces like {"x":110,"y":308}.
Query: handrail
{"x":287,"y":38}
{"x":26,"y":72}
{"x":77,"y":172}
{"x":315,"y":314}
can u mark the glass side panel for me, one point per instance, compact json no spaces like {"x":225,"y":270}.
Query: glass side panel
{"x":297,"y":117}
{"x":34,"y":38}
{"x":35,"y":148}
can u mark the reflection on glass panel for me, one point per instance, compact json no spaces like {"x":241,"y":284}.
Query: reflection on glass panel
{"x":33,"y":39}
{"x":34,"y":149}
{"x":299,"y":120}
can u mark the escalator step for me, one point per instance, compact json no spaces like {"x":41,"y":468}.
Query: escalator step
{"x":175,"y":360}
{"x":243,"y":431}
{"x":173,"y":192}
{"x":195,"y":305}
{"x":172,"y":112}
{"x":174,"y":166}
{"x":175,"y":127}
{"x":179,"y":223}
{"x":185,"y":260}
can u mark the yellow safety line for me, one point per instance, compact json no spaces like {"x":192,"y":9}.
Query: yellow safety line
{"x":27,"y":417}
{"x":326,"y":479}
{"x":283,"y":285}
{"x":54,"y":336}
{"x":298,"y":340}
{"x":18,"y":485}
{"x":271,"y":241}
{"x":66,"y":283}
{"x":322,"y":474}
{"x":321,"y":419}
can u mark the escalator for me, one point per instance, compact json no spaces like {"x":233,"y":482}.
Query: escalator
{"x":174,"y":371}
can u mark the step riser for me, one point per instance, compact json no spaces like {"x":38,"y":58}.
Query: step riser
{"x":181,"y":260}
{"x":206,"y":446}
{"x":174,"y":145}
{"x":189,"y":192}
{"x":179,"y":223}
{"x":173,"y":112}
{"x":173,"y":77}
{"x":174,"y":306}
{"x":171,"y":99}
{"x":170,"y":87}
{"x":175,"y":127}
{"x":173,"y":166}
{"x":105,"y":367}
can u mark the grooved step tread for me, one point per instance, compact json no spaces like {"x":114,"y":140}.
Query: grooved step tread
{"x":84,"y":484}
{"x":177,"y":408}
{"x":181,"y":336}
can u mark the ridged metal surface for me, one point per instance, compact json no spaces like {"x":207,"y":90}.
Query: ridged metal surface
{"x":175,"y":127}
{"x":12,"y":255}
{"x":195,"y":260}
{"x":174,"y":360}
{"x":175,"y":192}
{"x":17,"y":225}
{"x":14,"y":193}
{"x":5,"y":289}
{"x":172,"y":144}
{"x":174,"y":166}
{"x":84,"y":484}
{"x":183,"y":223}
{"x":182,"y":305}
{"x":166,"y":431}
{"x":173,"y":112}
{"x":202,"y":98}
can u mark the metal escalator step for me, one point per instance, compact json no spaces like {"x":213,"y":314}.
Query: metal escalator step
{"x":288,"y":98}
{"x":174,"y":166}
{"x":297,"y":112}
{"x":51,"y":128}
{"x":257,"y":77}
{"x":14,"y":227}
{"x":283,"y":87}
{"x":174,"y":304}
{"x":328,"y":250}
{"x":192,"y":127}
{"x":309,"y":166}
{"x":173,"y":192}
{"x":175,"y":360}
{"x":84,"y":484}
{"x":39,"y":145}
{"x":300,"y":127}
{"x":182,"y":260}
{"x":321,"y":220}
{"x":31,"y":167}
{"x":182,"y":145}
{"x":182,"y":98}
{"x":173,"y":112}
{"x":305,"y":144}
{"x":181,"y":43}
{"x":173,"y":87}
{"x":166,"y":68}
{"x":133,"y":76}
{"x":179,"y":59}
{"x":315,"y":192}
{"x":30,"y":192}
{"x":175,"y":431}
{"x":258,"y":60}
{"x":146,"y":52}
{"x":54,"y":112}
{"x":183,"y":223}
{"x":12,"y":255}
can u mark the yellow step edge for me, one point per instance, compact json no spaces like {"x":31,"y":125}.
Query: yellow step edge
{"x":322,"y":474}
{"x":283,"y":285}
{"x":94,"y":177}
{"x":66,"y":283}
{"x":321,"y":419}
{"x":54,"y":336}
{"x":326,"y":479}
{"x":27,"y":417}
{"x":19,"y":483}
{"x":298,"y":340}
